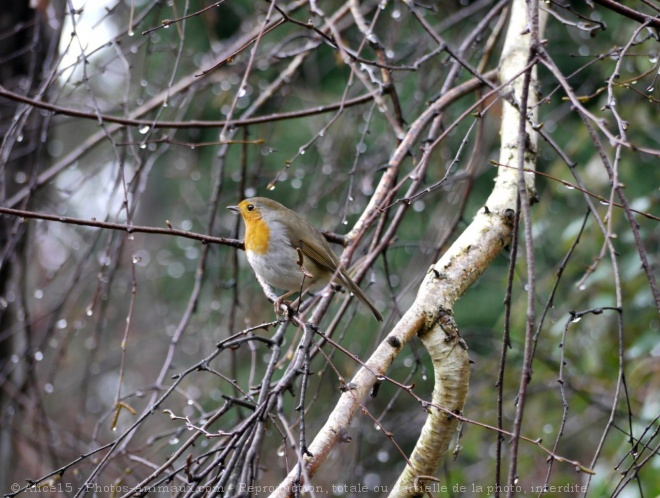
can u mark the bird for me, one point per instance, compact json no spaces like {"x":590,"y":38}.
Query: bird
{"x":287,"y":252}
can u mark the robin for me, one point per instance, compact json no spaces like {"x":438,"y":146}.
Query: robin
{"x":287,"y":252}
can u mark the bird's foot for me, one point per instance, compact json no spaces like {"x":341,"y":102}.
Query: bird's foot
{"x":283,"y":307}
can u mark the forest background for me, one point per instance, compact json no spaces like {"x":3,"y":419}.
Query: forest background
{"x":137,"y":348}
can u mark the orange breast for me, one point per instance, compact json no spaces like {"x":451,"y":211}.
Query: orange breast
{"x":257,"y":235}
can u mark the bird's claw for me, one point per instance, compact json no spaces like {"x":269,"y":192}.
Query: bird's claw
{"x":288,"y":309}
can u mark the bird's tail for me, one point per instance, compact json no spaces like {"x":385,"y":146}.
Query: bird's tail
{"x":357,"y":292}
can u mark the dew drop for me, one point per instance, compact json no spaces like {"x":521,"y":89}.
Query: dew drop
{"x":144,"y":129}
{"x":20,"y":177}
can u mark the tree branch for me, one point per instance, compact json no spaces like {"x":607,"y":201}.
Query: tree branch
{"x":629,"y":13}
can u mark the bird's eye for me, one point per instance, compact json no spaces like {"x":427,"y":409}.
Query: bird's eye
{"x":250,"y":207}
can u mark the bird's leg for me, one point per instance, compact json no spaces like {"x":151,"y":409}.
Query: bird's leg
{"x":279,"y":301}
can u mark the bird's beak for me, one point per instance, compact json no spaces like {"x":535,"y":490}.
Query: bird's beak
{"x":233,"y":208}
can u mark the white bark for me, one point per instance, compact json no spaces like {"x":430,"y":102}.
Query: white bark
{"x":430,"y":315}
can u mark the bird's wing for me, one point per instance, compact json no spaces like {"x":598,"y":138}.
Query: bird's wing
{"x":322,"y":256}
{"x":318,"y":250}
{"x":315,"y":247}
